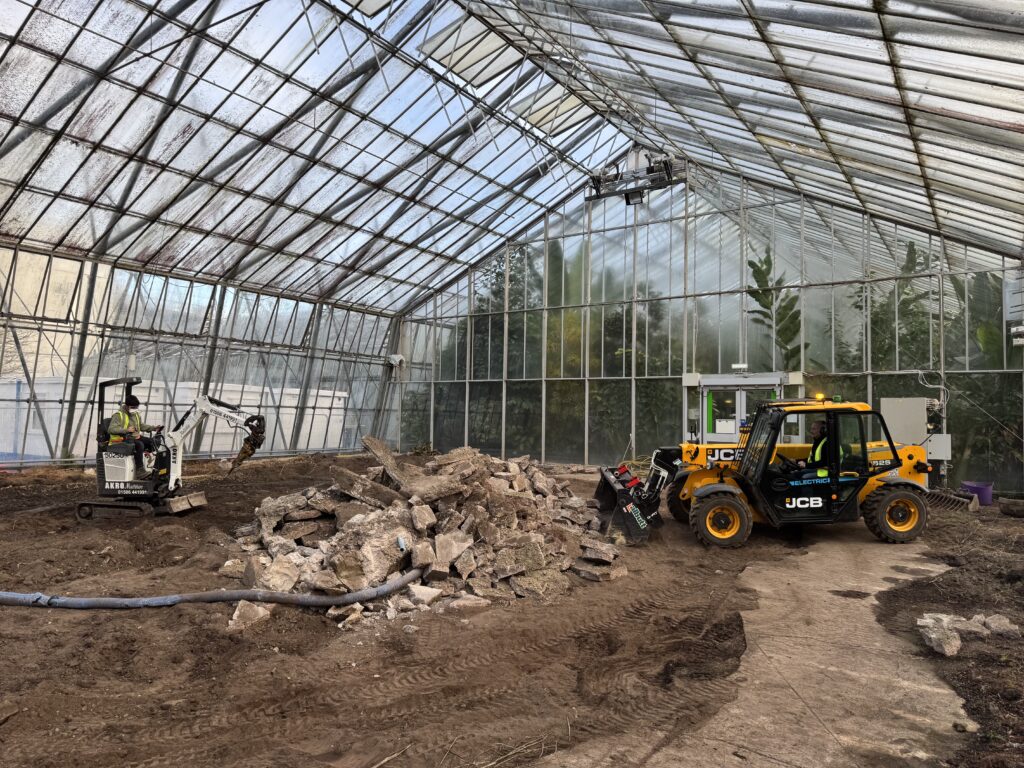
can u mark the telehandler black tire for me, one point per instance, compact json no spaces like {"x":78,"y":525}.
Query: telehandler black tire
{"x":896,"y":515}
{"x":721,"y":520}
{"x":680,"y":509}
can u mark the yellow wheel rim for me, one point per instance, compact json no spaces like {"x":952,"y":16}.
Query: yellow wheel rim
{"x":722,"y":522}
{"x":902,"y":515}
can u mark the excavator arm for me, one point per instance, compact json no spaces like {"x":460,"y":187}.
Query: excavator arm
{"x":205,"y":406}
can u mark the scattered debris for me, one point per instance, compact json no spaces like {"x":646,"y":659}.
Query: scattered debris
{"x":943,"y":632}
{"x":482,"y":529}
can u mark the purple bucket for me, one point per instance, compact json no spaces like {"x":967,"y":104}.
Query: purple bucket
{"x":982,"y":490}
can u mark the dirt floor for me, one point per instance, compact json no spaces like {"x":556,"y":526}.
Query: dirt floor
{"x":986,"y":550}
{"x":657,"y":649}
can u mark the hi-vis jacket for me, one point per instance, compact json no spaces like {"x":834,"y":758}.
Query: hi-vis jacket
{"x":123,"y":423}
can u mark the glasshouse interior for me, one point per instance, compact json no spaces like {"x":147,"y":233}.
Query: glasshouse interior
{"x":476,"y":383}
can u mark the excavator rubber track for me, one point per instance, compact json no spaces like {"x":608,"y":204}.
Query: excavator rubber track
{"x":105,"y":509}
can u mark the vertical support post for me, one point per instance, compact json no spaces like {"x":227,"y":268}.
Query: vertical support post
{"x":470,"y":331}
{"x":803,"y":282}
{"x":686,"y":297}
{"x":544,"y":350}
{"x":585,"y":326}
{"x":388,"y":378}
{"x":211,"y":354}
{"x":76,"y":375}
{"x":632,"y":373}
{"x":433,"y":370}
{"x":307,"y":375}
{"x":504,"y":356}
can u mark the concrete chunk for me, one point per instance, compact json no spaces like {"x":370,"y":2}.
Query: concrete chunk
{"x":436,"y":571}
{"x":1000,"y":625}
{"x":254,"y":567}
{"x":383,"y":454}
{"x":468,"y":605}
{"x":506,"y":564}
{"x":246,"y":615}
{"x":598,"y":551}
{"x":465,"y":564}
{"x":366,"y":491}
{"x":422,"y":595}
{"x":423,"y":518}
{"x":280,"y":576}
{"x":595,"y":572}
{"x":448,"y":546}
{"x":325,"y":581}
{"x":430,"y":488}
{"x":233,"y":569}
{"x":941,"y":639}
{"x":422,"y":554}
{"x":540,"y":584}
{"x":305,"y":513}
{"x":298,"y":529}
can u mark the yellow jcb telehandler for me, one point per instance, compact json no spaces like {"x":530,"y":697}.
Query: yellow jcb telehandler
{"x":852,"y":470}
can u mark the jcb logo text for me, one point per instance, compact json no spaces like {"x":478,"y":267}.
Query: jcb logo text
{"x":805,"y":502}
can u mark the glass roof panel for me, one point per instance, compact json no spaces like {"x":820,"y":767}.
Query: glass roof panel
{"x":367,"y":152}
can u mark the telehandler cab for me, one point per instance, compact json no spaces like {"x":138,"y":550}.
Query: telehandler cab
{"x":720,"y":491}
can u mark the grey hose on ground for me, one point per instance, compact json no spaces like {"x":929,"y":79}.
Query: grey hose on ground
{"x":39,"y":600}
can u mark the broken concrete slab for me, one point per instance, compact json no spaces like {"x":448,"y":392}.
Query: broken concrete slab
{"x":305,"y":513}
{"x":325,"y":581}
{"x":435,"y":571}
{"x":280,"y":576}
{"x":467,"y":605}
{"x":381,"y":554}
{"x":423,"y":518}
{"x":595,"y":572}
{"x":298,"y":529}
{"x":233,"y":569}
{"x":422,"y":554}
{"x":973,"y":628}
{"x":430,"y":488}
{"x":422,"y":595}
{"x":386,"y":458}
{"x":324,"y":530}
{"x":253,"y":569}
{"x":506,"y":564}
{"x":448,"y":546}
{"x":598,"y":551}
{"x":454,"y":456}
{"x":339,"y":611}
{"x":1002,"y":626}
{"x":941,"y":639}
{"x":364,"y":490}
{"x":540,"y":584}
{"x":465,"y":564}
{"x":246,"y":615}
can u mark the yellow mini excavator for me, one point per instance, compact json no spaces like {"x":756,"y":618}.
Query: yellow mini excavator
{"x":720,"y":491}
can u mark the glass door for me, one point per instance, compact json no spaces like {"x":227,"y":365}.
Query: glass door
{"x":722,"y":413}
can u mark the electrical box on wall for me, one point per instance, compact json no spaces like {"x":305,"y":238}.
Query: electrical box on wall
{"x":906,"y":418}
{"x":940,"y":448}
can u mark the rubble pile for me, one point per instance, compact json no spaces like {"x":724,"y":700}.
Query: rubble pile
{"x":481,"y":529}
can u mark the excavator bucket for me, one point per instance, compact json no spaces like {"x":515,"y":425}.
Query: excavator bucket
{"x":177,"y":504}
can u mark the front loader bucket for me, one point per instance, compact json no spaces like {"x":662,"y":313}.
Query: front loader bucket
{"x":607,"y":493}
{"x":637,"y":519}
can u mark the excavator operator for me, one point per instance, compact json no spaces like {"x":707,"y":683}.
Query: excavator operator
{"x":126,"y":424}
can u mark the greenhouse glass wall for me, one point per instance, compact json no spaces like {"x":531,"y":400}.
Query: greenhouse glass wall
{"x":571,"y":343}
{"x":314,"y":371}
